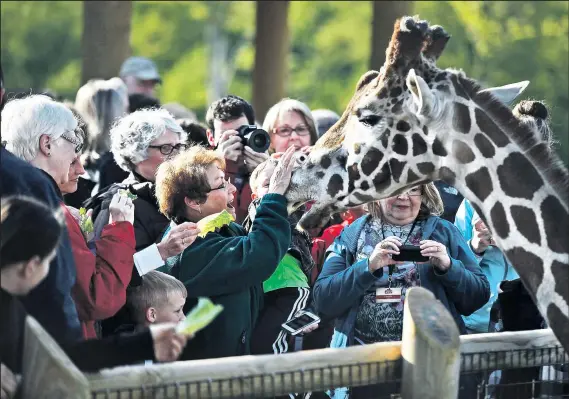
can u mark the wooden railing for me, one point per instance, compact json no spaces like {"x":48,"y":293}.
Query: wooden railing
{"x":427,"y":361}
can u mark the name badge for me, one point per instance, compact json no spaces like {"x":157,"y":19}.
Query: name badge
{"x":388,"y":295}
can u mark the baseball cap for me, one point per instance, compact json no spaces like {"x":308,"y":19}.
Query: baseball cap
{"x":141,"y":68}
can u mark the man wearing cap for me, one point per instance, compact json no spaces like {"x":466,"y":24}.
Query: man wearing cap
{"x":140,"y":75}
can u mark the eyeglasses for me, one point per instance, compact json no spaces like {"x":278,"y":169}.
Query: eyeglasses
{"x":73,"y":140}
{"x":223,"y":186}
{"x":413,"y":192}
{"x":167,"y":149}
{"x":286,"y":131}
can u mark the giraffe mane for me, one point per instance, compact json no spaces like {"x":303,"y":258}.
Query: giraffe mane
{"x":535,"y":148}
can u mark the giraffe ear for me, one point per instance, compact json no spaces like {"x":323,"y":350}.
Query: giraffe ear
{"x":508,"y":93}
{"x":422,"y":95}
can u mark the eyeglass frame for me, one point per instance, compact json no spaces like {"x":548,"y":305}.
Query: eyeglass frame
{"x":407,"y":192}
{"x":177,"y":147}
{"x":223,"y":185}
{"x":73,"y":140}
{"x":295,"y":129}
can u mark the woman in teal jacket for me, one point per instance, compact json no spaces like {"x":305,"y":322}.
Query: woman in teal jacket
{"x":359,"y":266}
{"x":228,"y":266}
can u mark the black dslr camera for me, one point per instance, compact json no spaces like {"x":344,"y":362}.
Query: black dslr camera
{"x":253,"y":137}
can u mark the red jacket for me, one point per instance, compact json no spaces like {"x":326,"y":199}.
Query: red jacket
{"x":100,"y":288}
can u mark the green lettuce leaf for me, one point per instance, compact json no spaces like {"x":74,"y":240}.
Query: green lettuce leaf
{"x":199,"y":317}
{"x":213,"y":222}
{"x":128,"y":194}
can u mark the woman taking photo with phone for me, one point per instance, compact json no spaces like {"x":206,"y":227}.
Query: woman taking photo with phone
{"x":363,"y":287}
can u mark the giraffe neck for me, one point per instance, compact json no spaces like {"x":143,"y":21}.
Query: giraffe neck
{"x":526,"y":211}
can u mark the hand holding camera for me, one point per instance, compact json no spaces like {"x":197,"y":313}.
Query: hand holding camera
{"x":248,"y":141}
{"x":481,"y":237}
{"x":383,"y":252}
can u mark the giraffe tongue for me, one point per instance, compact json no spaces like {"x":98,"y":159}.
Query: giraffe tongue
{"x":309,"y":205}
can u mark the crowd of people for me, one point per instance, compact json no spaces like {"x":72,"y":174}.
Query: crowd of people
{"x":112,"y":292}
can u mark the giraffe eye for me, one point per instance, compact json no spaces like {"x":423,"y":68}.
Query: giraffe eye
{"x":369,"y":120}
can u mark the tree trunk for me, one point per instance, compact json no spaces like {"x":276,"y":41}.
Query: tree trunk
{"x":384,"y":15}
{"x":271,"y":49}
{"x":106,"y":38}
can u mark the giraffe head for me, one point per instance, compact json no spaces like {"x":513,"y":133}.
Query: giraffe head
{"x":381,"y":145}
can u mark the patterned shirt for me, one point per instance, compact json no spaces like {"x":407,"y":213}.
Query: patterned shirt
{"x":383,"y":322}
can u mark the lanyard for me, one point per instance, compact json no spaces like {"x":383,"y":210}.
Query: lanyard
{"x":392,"y":267}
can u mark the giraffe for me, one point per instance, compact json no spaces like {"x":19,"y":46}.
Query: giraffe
{"x":412,"y":123}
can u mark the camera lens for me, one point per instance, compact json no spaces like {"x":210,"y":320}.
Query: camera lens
{"x":258,"y":140}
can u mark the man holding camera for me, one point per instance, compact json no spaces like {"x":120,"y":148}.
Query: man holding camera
{"x":231,"y":131}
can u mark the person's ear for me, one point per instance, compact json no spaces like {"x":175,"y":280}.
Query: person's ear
{"x":192,"y":204}
{"x":210,"y":138}
{"x":28,"y":268}
{"x":45,"y":145}
{"x":253,"y":196}
{"x":151,"y":315}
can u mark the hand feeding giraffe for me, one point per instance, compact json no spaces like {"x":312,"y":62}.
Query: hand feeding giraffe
{"x":412,"y":123}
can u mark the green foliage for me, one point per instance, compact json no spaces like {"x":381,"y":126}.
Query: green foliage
{"x":494,"y":42}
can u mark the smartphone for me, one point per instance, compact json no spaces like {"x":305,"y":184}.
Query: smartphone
{"x":300,"y":322}
{"x":410,"y":253}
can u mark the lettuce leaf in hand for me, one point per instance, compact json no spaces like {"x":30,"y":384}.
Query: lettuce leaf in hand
{"x":128,"y":194}
{"x":213,"y":222}
{"x":85,"y":221}
{"x":199,"y":317}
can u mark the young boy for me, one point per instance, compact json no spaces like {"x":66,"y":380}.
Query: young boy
{"x":287,"y":290}
{"x":159,"y":299}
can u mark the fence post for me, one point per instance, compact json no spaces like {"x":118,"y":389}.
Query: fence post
{"x":47,"y":371}
{"x":430,"y":348}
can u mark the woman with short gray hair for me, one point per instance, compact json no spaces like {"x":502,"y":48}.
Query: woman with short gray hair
{"x":140,"y":142}
{"x":290,"y":123}
{"x":41,"y":132}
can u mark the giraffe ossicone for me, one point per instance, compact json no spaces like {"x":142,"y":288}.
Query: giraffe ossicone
{"x":411,"y":123}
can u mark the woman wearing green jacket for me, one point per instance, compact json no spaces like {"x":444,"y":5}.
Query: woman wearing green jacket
{"x":228,"y":266}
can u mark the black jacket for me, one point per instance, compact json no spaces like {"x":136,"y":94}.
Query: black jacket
{"x":89,"y":355}
{"x":50,"y":302}
{"x":149,"y":227}
{"x":149,"y":223}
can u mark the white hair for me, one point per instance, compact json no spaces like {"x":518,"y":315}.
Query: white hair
{"x":100,"y":103}
{"x":290,"y":105}
{"x":25,"y":120}
{"x":131,"y":135}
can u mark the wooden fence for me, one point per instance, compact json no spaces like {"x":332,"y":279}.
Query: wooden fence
{"x":431,"y":355}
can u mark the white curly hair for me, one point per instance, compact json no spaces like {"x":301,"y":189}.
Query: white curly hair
{"x":131,"y":135}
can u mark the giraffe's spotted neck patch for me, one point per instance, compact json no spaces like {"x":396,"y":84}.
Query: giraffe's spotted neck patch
{"x":480,"y":183}
{"x":461,"y":121}
{"x":462,"y":152}
{"x":508,"y":176}
{"x":484,"y":145}
{"x":490,"y":129}
{"x":499,"y":220}
{"x":526,"y":222}
{"x":555,"y":223}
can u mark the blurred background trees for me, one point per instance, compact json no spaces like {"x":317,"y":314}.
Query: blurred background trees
{"x":207,"y":49}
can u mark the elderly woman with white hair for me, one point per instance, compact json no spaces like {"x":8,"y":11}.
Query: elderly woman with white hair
{"x":290,"y":123}
{"x":140,"y":142}
{"x":41,"y":132}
